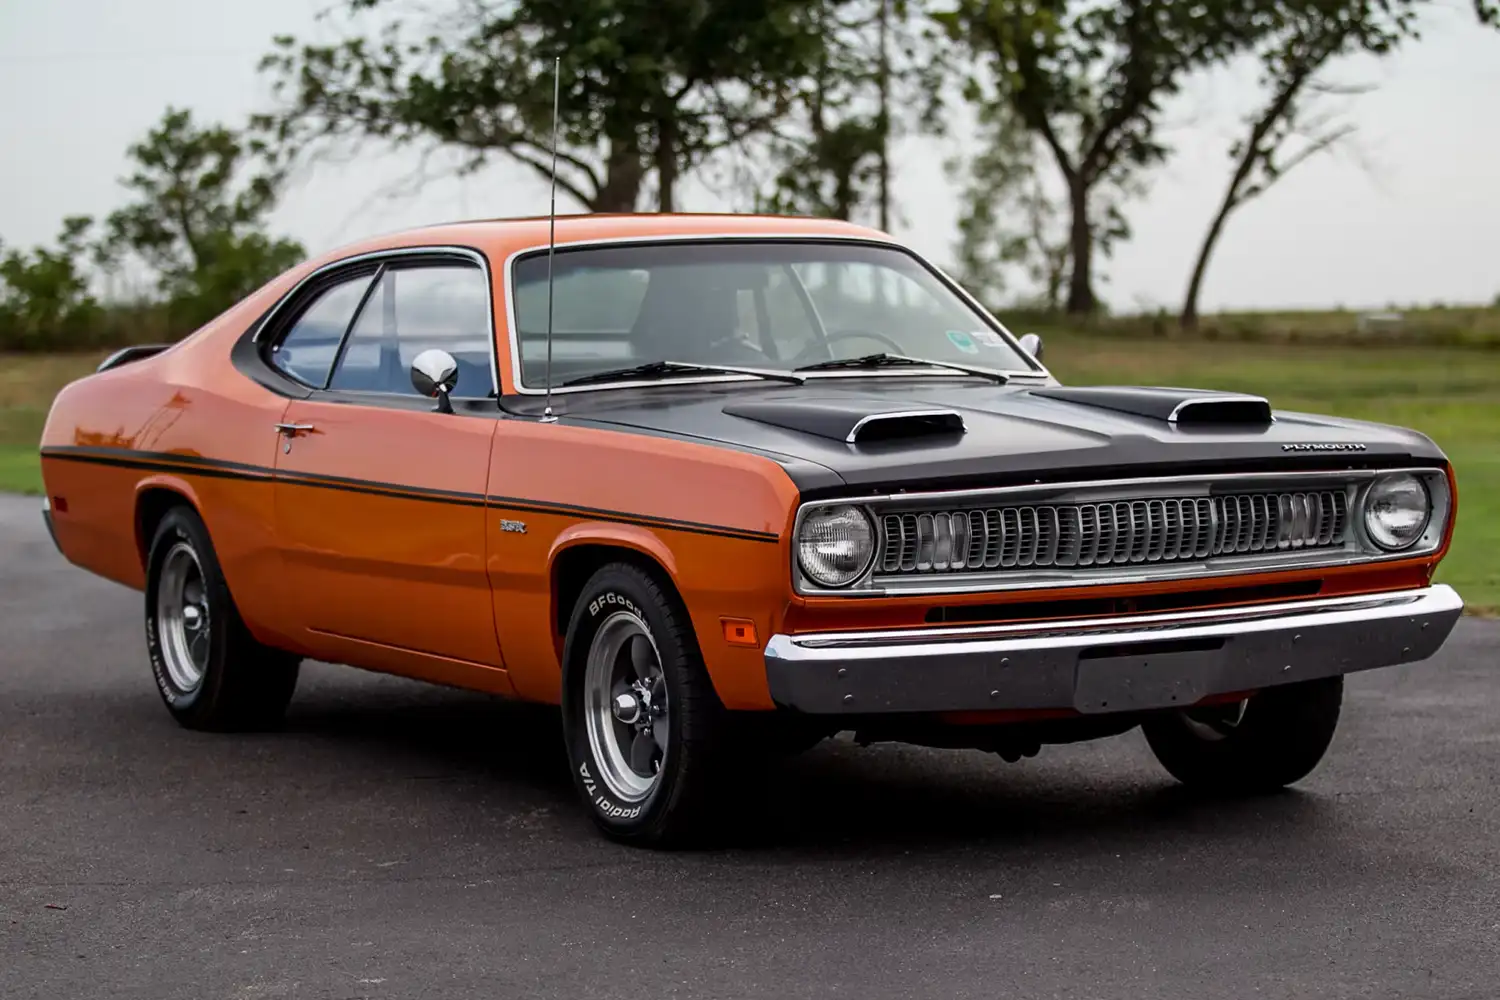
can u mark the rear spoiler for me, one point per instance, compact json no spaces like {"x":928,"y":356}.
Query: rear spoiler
{"x":128,"y":354}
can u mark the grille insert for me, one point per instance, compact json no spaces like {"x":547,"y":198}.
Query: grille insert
{"x":1118,"y":533}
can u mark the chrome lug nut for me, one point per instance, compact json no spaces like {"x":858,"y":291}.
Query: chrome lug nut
{"x":627,"y":708}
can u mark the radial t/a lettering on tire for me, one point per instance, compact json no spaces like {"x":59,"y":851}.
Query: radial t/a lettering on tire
{"x":639,"y":714}
{"x":210,"y":671}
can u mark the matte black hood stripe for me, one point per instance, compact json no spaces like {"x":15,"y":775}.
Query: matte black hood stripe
{"x":1015,"y":435}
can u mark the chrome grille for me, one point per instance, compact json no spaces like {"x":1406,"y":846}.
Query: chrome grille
{"x":1124,"y":532}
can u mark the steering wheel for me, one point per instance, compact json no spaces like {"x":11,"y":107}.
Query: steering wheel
{"x":848,"y":334}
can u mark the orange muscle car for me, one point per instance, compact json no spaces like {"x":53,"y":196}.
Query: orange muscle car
{"x":722,"y":486}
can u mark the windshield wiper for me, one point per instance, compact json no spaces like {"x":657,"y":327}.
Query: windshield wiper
{"x":656,"y":369}
{"x":895,"y":360}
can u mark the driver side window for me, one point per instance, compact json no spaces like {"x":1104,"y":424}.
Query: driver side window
{"x":410,"y":310}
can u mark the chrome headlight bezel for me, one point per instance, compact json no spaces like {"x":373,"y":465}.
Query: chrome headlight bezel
{"x":1435,"y":521}
{"x":807,"y":576}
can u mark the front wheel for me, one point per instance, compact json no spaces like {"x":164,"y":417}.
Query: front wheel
{"x":1267,"y":741}
{"x":640,"y":717}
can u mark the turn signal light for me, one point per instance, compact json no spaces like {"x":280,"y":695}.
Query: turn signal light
{"x":739,"y":632}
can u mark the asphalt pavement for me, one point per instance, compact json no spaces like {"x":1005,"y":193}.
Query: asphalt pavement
{"x":400,"y":841}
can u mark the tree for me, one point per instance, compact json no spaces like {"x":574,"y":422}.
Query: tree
{"x":648,"y":86}
{"x":199,"y":200}
{"x":1286,"y":130}
{"x":1013,"y":221}
{"x":832,"y":155}
{"x":45,"y":301}
{"x":1089,"y":81}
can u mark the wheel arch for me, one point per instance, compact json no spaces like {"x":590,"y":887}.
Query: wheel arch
{"x":154,"y":497}
{"x":580,"y":552}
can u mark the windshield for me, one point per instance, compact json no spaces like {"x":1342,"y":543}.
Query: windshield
{"x":775,"y":305}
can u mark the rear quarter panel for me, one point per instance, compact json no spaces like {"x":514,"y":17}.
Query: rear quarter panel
{"x":183,"y":421}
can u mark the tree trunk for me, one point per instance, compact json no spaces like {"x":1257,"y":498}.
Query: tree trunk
{"x":623,"y":175}
{"x":666,"y":164}
{"x":1189,"y":318}
{"x":1081,"y":247}
{"x":844,"y":196}
{"x":884,"y":119}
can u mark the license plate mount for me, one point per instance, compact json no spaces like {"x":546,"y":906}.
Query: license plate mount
{"x":1126,"y":680}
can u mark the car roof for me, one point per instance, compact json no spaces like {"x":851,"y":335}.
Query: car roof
{"x":498,"y":238}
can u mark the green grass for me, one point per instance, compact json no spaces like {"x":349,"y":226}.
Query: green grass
{"x":27,"y":384}
{"x":1432,"y":326}
{"x":1452,"y":394}
{"x":18,"y":469}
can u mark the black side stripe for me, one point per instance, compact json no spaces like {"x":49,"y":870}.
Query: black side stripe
{"x":599,"y":514}
{"x":216,"y":469}
{"x":158,"y":461}
{"x":395,"y":491}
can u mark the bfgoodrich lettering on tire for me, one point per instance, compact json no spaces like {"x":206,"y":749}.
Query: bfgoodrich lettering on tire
{"x":639,"y":713}
{"x":211,"y":672}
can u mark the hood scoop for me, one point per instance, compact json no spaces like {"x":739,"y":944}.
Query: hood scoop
{"x":1182,"y":407}
{"x":852,"y":421}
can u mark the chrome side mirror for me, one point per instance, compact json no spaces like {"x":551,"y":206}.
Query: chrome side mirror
{"x":434,"y":374}
{"x":1031,"y":343}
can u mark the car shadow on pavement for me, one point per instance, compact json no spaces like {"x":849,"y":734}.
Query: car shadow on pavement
{"x":892,"y":799}
{"x":836,"y":797}
{"x":410,"y":727}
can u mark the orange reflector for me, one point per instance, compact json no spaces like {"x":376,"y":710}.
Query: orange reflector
{"x":739,"y":631}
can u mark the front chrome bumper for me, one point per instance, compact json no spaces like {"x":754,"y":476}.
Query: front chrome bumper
{"x":1117,"y":664}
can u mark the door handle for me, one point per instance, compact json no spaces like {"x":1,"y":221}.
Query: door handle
{"x":291,"y":430}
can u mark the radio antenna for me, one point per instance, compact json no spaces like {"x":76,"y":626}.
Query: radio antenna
{"x":547,"y":416}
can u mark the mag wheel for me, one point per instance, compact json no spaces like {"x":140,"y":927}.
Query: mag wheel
{"x":183,"y":618}
{"x":640,"y":717}
{"x":210,"y":671}
{"x":1265,"y":742}
{"x":627,"y":707}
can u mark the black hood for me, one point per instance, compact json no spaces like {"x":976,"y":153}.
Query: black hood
{"x":1001,"y":434}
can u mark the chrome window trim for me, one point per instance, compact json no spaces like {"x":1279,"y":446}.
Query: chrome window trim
{"x":875,"y":418}
{"x":1360,"y":549}
{"x":513,"y":339}
{"x":380,"y":257}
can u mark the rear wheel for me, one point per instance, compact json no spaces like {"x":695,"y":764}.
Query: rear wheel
{"x":640,"y":717}
{"x":209,"y":670}
{"x":1267,"y":741}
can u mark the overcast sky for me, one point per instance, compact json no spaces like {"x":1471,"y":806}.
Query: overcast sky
{"x":1408,"y":214}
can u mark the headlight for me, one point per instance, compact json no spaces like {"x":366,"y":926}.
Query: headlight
{"x":835,"y":545}
{"x":1397,"y":510}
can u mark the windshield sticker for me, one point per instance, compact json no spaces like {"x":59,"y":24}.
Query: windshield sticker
{"x":963,"y":341}
{"x":988,"y":338}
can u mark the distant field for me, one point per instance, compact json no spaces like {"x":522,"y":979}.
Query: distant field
{"x":27,"y":384}
{"x":1451,"y":394}
{"x":1435,"y":326}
